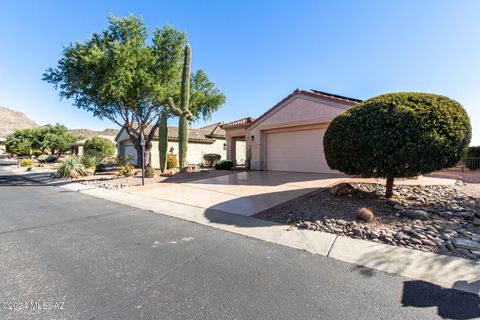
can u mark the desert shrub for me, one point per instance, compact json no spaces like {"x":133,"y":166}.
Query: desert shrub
{"x":224,"y":165}
{"x":126,"y":171}
{"x":90,"y":161}
{"x":149,"y":172}
{"x":98,"y":146}
{"x":211,"y":158}
{"x":37,"y":153}
{"x":365,"y":214}
{"x":171,"y":161}
{"x":71,"y":168}
{"x":398,"y":135}
{"x":124,"y":161}
{"x":26,"y":163}
{"x":473,"y":152}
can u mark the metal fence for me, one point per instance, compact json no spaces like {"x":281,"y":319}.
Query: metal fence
{"x":467,"y":164}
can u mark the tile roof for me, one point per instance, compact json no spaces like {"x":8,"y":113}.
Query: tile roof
{"x":205,"y":134}
{"x":216,"y":130}
{"x":238,"y":123}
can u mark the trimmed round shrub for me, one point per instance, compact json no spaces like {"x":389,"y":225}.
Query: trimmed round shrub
{"x":398,"y":135}
{"x":211,"y":158}
{"x":224,"y":165}
{"x":171,"y":161}
{"x":100,"y":147}
{"x":149,"y":172}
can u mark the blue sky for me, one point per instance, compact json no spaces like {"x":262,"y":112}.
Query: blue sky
{"x":257,"y":52}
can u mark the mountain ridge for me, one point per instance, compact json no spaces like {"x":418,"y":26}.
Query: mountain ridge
{"x":11,"y":120}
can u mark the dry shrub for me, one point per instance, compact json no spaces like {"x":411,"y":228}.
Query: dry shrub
{"x":365,"y":214}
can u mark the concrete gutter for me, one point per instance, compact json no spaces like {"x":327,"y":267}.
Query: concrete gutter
{"x":449,"y":272}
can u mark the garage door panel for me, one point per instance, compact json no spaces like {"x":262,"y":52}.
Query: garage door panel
{"x":297,"y":151}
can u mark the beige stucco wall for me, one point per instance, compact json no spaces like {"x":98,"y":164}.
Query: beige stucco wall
{"x":195,"y":150}
{"x":298,"y":112}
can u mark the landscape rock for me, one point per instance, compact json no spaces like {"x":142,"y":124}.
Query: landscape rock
{"x":342,"y":189}
{"x":415,"y":214}
{"x":466,"y":244}
{"x":439,"y":219}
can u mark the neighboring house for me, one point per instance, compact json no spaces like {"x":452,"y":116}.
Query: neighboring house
{"x":76,"y":148}
{"x":208,"y":139}
{"x":289,"y":136}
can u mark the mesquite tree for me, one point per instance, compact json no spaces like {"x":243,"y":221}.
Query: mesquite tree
{"x":117,"y":75}
{"x":398,"y":135}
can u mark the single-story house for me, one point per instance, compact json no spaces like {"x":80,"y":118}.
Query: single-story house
{"x":208,"y":139}
{"x":289,"y":136}
{"x":76,"y":148}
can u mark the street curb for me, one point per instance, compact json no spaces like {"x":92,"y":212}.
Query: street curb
{"x":446,"y":271}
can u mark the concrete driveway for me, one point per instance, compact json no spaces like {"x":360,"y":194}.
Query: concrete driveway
{"x":243,"y":193}
{"x":249,"y":192}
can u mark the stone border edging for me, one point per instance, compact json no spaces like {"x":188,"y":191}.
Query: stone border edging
{"x":446,"y":271}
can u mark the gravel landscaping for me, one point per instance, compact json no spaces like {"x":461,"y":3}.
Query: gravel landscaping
{"x":441,"y":219}
{"x":114,"y":182}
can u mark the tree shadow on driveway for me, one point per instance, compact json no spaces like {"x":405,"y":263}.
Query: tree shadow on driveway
{"x":241,"y":211}
{"x":450,"y":303}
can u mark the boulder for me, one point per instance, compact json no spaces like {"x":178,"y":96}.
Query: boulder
{"x":415,"y":214}
{"x":342,"y":189}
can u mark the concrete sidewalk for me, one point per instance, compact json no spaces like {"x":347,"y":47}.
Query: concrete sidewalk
{"x":449,"y":272}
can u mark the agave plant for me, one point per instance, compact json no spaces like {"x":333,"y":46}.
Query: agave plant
{"x":71,"y":168}
{"x":90,"y":161}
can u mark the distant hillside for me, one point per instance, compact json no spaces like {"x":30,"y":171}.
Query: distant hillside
{"x":87,"y":133}
{"x":11,"y":120}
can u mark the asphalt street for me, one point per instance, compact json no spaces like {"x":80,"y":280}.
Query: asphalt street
{"x":66,"y":255}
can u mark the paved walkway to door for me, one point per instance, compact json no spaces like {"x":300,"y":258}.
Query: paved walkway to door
{"x":250,"y":192}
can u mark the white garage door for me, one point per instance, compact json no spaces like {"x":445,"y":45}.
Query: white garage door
{"x":297,"y":151}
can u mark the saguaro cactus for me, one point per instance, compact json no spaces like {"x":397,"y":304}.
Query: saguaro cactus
{"x":183,"y":112}
{"x":163,"y":139}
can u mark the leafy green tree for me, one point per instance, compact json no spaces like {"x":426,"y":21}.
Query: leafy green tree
{"x":99,"y":146}
{"x":47,"y":139}
{"x":398,"y":135}
{"x":117,"y":75}
{"x":23,"y":142}
{"x":56,"y":139}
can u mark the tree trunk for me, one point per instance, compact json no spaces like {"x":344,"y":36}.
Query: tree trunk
{"x":163,"y":140}
{"x":389,"y":192}
{"x":146,"y":156}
